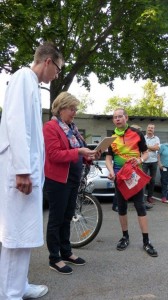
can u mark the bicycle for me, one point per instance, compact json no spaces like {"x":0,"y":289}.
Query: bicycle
{"x":88,"y":216}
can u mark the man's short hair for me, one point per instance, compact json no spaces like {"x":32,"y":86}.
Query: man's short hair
{"x":120,"y":108}
{"x":45,"y":50}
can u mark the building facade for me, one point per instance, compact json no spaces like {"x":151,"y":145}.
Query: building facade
{"x":95,"y":127}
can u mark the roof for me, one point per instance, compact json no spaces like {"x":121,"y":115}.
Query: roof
{"x":132,"y":118}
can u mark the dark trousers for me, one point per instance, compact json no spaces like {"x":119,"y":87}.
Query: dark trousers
{"x":150,"y":169}
{"x":62,"y":202}
{"x":123,"y":204}
{"x":164,"y":182}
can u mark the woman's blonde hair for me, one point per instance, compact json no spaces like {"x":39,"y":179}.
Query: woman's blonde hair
{"x":63,"y":100}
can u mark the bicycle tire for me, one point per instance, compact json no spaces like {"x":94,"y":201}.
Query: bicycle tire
{"x":87,"y":220}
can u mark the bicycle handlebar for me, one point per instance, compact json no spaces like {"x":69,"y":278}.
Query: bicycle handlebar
{"x":87,"y":168}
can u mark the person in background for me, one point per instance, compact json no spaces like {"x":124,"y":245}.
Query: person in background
{"x":150,"y":165}
{"x":21,"y":173}
{"x":163,"y":165}
{"x":136,"y":126}
{"x":66,"y":151}
{"x":129,"y":145}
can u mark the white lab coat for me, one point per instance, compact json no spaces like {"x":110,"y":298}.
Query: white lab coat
{"x":21,"y":152}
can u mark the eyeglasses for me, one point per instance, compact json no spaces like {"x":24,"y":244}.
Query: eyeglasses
{"x":73,"y":109}
{"x":118,"y":117}
{"x":58,"y":68}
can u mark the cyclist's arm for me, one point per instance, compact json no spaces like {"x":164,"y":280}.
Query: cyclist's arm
{"x":109,"y":165}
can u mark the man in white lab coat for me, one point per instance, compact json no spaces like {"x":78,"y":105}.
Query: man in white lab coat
{"x":21,"y":173}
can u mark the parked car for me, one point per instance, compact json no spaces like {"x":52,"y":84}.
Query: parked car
{"x":100,"y":185}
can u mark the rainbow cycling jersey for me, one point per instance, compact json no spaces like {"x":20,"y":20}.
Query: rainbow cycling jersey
{"x":131,"y":144}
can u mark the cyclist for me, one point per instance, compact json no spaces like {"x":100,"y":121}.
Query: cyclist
{"x":129,"y":145}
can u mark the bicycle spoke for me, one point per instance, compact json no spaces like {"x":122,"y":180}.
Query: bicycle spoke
{"x":86,"y":222}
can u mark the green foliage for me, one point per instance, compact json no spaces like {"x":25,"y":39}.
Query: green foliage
{"x":84,"y":103}
{"x":151,"y":104}
{"x":110,"y":38}
{"x":116,"y":102}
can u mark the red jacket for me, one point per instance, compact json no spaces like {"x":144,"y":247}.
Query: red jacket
{"x":58,"y":154}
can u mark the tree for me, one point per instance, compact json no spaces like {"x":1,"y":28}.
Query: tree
{"x":85,"y":101}
{"x":110,"y":38}
{"x":116,"y":102}
{"x":151,"y":104}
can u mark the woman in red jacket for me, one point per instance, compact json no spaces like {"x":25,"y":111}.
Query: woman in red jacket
{"x":65,"y":152}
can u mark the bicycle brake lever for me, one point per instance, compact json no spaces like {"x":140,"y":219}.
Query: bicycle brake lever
{"x":97,"y":166}
{"x":100,"y":170}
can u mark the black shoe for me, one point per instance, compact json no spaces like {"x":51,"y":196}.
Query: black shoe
{"x":115,"y":208}
{"x":150,"y":249}
{"x":123,"y":243}
{"x":66,"y":270}
{"x":78,"y":261}
{"x":148,"y":206}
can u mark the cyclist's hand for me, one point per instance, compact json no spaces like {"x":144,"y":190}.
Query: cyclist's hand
{"x":111,"y":176}
{"x":134,"y":161}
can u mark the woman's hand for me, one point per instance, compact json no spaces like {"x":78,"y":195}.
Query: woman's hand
{"x":89,"y":154}
{"x":98,"y":154}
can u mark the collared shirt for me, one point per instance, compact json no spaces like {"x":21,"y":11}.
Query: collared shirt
{"x":152,"y":155}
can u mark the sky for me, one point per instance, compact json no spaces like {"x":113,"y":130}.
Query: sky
{"x":99,"y":93}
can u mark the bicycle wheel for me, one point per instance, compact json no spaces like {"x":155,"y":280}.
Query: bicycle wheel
{"x":87,"y":220}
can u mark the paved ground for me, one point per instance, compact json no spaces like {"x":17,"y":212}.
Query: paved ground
{"x":110,"y":274}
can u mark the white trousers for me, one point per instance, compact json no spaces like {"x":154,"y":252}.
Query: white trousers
{"x":14,"y":266}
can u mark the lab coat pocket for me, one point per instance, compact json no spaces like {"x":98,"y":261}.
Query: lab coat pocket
{"x":35,"y":170}
{"x":3,"y":147}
